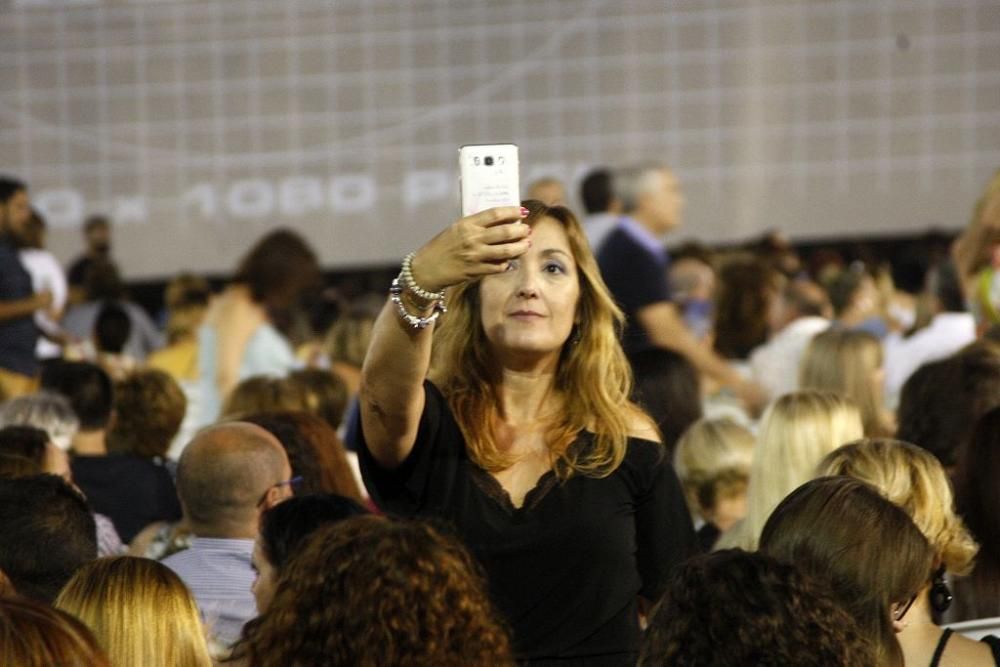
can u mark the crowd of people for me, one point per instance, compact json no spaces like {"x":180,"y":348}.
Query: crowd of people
{"x":553,"y":441}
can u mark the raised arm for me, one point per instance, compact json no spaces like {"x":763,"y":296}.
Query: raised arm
{"x":392,"y":396}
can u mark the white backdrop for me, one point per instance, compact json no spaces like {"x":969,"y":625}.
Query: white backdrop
{"x":197,"y":125}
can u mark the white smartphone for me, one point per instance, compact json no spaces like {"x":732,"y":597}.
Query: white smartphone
{"x":489,"y":176}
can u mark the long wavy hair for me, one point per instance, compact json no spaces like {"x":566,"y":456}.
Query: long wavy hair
{"x":843,"y":531}
{"x":140,"y":612}
{"x":913,"y":479}
{"x":369,"y":591}
{"x":593,"y":379}
{"x":797,"y":431}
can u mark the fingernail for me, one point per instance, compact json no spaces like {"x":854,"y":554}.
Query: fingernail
{"x":524,"y":212}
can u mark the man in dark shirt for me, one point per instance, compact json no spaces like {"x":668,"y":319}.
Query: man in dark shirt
{"x":634,"y":265}
{"x":18,"y":302}
{"x":97,"y":233}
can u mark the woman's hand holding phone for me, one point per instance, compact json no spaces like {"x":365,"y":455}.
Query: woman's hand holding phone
{"x":477,"y":245}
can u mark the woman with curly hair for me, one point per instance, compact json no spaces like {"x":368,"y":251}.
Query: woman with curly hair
{"x":913,"y":479}
{"x":140,"y":612}
{"x":846,"y":535}
{"x":738,"y":608}
{"x":368,"y":592}
{"x":524,"y":438}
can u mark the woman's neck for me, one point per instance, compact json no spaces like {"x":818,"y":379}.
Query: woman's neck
{"x":525,"y":395}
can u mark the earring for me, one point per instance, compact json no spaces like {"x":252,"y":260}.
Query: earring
{"x":940,"y":595}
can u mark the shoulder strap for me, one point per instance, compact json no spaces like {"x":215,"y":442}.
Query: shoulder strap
{"x":945,"y":636}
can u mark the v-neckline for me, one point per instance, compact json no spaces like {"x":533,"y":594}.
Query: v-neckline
{"x":493,"y":489}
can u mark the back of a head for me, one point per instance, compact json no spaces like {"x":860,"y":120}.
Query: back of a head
{"x":314,"y":451}
{"x":150,"y":408}
{"x":405,"y":595}
{"x":942,"y":400}
{"x":326,"y":393}
{"x":224,"y":473}
{"x":913,"y":479}
{"x":278,"y":268}
{"x":843,"y":288}
{"x":746,"y":287}
{"x":797,"y":431}
{"x":103,"y":282}
{"x":26,"y":441}
{"x":48,"y":534}
{"x":771,"y":614}
{"x":88,"y":388}
{"x":112,"y":328}
{"x":597,"y":191}
{"x":348,"y":338}
{"x":978,"y":495}
{"x":847,"y":362}
{"x":844,"y":532}
{"x":36,"y":635}
{"x":285,"y":527}
{"x":668,"y":387}
{"x":263,"y":393}
{"x":45,"y":410}
{"x":140,"y":612}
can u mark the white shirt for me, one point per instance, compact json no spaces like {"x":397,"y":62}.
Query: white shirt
{"x":775,"y":364}
{"x":46,"y":275}
{"x":946,"y":334}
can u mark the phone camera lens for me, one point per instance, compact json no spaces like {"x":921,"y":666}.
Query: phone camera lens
{"x":489,"y":160}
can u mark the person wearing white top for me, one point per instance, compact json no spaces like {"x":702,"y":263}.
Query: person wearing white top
{"x":46,"y":276}
{"x":797,"y":315}
{"x":950,"y":329}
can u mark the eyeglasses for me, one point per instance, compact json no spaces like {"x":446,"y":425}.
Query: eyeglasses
{"x":900,"y":613}
{"x":291,"y":483}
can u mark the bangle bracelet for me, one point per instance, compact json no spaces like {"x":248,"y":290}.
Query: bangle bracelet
{"x":415,"y":321}
{"x":406,"y":280}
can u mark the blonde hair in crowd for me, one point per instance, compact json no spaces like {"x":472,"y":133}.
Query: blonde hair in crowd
{"x":712,"y":457}
{"x":913,"y":479}
{"x":797,"y":431}
{"x":847,"y":362}
{"x":140,"y":612}
{"x":593,"y":379}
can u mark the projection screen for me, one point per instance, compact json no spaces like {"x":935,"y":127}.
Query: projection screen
{"x":199,"y":125}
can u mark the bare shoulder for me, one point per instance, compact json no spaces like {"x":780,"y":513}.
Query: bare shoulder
{"x":964,"y":651}
{"x":641,"y":425}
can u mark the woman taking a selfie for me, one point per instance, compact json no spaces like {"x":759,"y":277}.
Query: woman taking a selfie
{"x":523,"y":438}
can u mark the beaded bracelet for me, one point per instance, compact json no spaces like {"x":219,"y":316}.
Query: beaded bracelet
{"x":407,"y":281}
{"x":415,"y":321}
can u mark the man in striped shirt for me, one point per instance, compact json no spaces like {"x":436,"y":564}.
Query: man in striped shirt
{"x":227,"y":476}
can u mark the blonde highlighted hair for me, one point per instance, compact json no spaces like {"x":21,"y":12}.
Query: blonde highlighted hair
{"x":140,"y":612}
{"x":593,"y":378}
{"x":712,"y":457}
{"x":913,"y":479}
{"x":847,"y":362}
{"x":797,"y":431}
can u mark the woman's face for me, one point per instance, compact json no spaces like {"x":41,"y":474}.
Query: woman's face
{"x":264,"y":584}
{"x":531,"y":307}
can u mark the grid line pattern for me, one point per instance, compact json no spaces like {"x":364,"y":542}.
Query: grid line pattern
{"x":198,"y":125}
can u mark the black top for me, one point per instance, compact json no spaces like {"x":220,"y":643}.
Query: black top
{"x":994,"y":643}
{"x":18,"y":336}
{"x":133,"y":492}
{"x":564,"y":570}
{"x":636,"y":278}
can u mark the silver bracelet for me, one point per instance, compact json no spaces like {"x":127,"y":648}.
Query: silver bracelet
{"x":406,"y":281}
{"x":415,"y":321}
